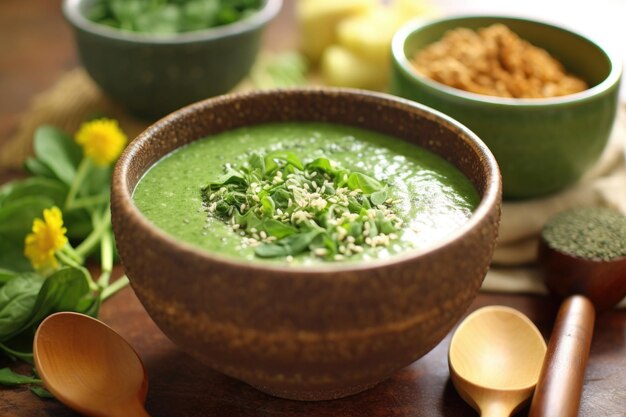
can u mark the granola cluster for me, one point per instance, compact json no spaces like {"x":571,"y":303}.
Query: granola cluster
{"x":495,"y":61}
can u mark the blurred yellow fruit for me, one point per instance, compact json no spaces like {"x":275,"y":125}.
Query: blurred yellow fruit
{"x":318,"y":20}
{"x":340,"y":67}
{"x":409,"y":9}
{"x":369,"y":36}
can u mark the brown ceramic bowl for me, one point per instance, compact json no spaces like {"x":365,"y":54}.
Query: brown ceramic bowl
{"x":307,"y":333}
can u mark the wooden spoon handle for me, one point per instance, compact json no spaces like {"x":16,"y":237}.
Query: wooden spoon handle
{"x":561,"y":379}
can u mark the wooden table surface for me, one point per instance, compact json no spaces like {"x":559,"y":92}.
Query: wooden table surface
{"x":36,"y":50}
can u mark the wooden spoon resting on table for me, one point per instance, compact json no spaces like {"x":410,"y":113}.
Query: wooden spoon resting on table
{"x":583,"y":254}
{"x":495,"y":357}
{"x":89,"y":367}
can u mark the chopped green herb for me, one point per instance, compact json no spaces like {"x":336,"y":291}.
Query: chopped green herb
{"x":589,"y":233}
{"x":284,"y":207}
{"x":170,"y":16}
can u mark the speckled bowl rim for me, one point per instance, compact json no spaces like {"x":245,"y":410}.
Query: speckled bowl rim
{"x":73,"y":15}
{"x":489,"y":201}
{"x":406,"y":31}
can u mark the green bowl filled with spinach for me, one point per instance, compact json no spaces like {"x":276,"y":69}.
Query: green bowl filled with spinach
{"x":155,"y":56}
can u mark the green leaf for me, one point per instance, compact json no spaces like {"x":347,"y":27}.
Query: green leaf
{"x":34,"y":187}
{"x":78,"y":224}
{"x":16,"y":217}
{"x":17,"y":299}
{"x":38,"y":168}
{"x":199,"y":14}
{"x":281,"y":197}
{"x":321,"y":164}
{"x":41,"y":392}
{"x":286,"y":156}
{"x":278,"y":229}
{"x":165,"y":19}
{"x":248,"y":220}
{"x":97,"y":182}
{"x":6,"y":276}
{"x":8,"y":377}
{"x":290,"y":245}
{"x":62,"y":291}
{"x":90,"y":305}
{"x":267,"y":206}
{"x":57,"y":151}
{"x":365,"y":183}
{"x":12,"y":256}
{"x":379,"y":197}
{"x":257,"y":163}
{"x":230,"y":178}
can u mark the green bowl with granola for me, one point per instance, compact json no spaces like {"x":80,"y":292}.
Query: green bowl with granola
{"x":309,"y":242}
{"x":542,"y":145}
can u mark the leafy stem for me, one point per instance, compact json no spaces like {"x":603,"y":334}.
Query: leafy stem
{"x":81,"y":173}
{"x":101,"y":225}
{"x":25,"y":356}
{"x":91,"y":201}
{"x":113,"y":288}
{"x":106,"y":256}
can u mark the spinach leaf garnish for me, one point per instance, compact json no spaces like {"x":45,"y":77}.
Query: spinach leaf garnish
{"x":285,"y":207}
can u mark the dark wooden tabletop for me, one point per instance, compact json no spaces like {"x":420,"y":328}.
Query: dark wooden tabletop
{"x":36,"y":49}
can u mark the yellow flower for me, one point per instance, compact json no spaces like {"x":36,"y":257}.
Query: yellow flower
{"x":102,"y":140}
{"x":47,"y":237}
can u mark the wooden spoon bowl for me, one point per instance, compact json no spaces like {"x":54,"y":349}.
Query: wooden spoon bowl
{"x":89,"y":367}
{"x":495,"y":358}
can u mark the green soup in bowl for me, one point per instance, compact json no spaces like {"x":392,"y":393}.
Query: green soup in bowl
{"x":542,"y":145}
{"x":424,"y":197}
{"x":311,"y":328}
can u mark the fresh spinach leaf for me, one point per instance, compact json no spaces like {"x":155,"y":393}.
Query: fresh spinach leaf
{"x":58,"y":151}
{"x":55,"y":190}
{"x":278,"y":229}
{"x":286,"y":156}
{"x":290,"y":245}
{"x":321,"y":164}
{"x":17,"y":299}
{"x":365,"y":183}
{"x":379,"y":197}
{"x":61,"y":291}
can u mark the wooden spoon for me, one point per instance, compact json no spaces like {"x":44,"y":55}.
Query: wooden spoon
{"x":598,"y":283}
{"x":89,"y":367}
{"x":495,"y":357}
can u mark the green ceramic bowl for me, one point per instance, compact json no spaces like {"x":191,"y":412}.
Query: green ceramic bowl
{"x":541,"y":145}
{"x":154,"y":75}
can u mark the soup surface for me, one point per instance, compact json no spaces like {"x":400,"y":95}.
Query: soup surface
{"x":431,"y":196}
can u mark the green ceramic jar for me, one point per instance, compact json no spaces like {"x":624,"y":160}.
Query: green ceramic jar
{"x":153,"y":75}
{"x":541,"y":145}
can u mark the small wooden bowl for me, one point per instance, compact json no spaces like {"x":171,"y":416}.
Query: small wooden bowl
{"x":307,"y":333}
